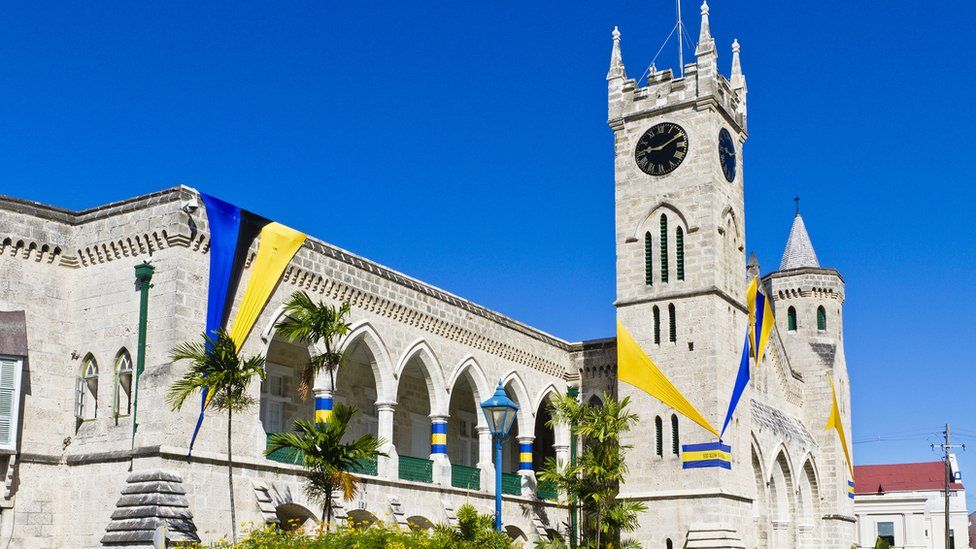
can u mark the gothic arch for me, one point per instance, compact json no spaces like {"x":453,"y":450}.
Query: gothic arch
{"x":542,"y":395}
{"x":476,"y":375}
{"x":363,"y":332}
{"x":808,"y":499}
{"x":430,"y":368}
{"x":648,"y":222}
{"x":526,"y":417}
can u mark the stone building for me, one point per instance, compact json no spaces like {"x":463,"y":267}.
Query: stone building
{"x":75,"y":475}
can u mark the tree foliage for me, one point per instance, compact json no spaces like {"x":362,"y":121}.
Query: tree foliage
{"x":314,"y":322}
{"x":595,"y":479}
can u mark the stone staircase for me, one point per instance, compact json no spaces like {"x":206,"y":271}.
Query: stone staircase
{"x":150,"y":500}
{"x":713,"y":536}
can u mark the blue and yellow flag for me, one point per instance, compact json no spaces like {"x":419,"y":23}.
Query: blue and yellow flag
{"x":761,"y":319}
{"x":707,"y":454}
{"x":636,"y":368}
{"x":231,"y":232}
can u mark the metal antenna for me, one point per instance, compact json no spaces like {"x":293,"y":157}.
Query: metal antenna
{"x":681,"y":46}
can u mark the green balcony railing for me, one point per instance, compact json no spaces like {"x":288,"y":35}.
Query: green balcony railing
{"x":547,"y":491}
{"x":365,"y":467}
{"x":284,"y":455}
{"x":465,"y":477}
{"x":511,"y":484}
{"x":416,"y":469}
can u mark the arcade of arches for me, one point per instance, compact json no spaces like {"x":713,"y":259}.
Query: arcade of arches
{"x":406,"y":406}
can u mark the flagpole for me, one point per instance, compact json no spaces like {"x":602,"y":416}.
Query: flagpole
{"x":144,"y":274}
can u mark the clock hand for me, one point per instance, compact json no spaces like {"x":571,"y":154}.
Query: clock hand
{"x":672,"y":140}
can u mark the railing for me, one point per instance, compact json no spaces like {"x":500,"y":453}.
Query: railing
{"x":365,"y":467}
{"x":547,"y":491}
{"x":465,"y":477}
{"x":416,"y":469}
{"x":284,"y":455}
{"x":511,"y":484}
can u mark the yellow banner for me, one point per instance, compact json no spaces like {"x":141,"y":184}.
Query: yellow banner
{"x":277,"y":246}
{"x":760,"y":319}
{"x":636,"y":368}
{"x":706,"y":455}
{"x":836,"y":422}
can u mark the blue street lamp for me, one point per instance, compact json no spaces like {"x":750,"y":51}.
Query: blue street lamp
{"x":500,"y":412}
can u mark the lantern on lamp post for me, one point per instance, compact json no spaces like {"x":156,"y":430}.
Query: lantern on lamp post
{"x":500,"y":412}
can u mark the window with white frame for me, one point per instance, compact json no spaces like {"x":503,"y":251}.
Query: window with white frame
{"x":10,"y":372}
{"x":86,"y":390}
{"x":273,"y":399}
{"x":123,"y":384}
{"x":886,"y":532}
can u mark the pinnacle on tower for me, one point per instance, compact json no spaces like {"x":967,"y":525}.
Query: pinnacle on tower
{"x":705,"y":42}
{"x":799,"y":250}
{"x":738,"y":80}
{"x":616,"y":60}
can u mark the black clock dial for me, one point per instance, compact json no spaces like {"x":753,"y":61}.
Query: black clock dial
{"x":726,"y":154}
{"x":661,"y":149}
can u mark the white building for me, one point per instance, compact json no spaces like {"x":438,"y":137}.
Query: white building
{"x":905,"y":504}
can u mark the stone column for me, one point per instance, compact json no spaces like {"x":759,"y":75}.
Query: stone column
{"x":438,"y":450}
{"x":561,"y":443}
{"x":388,"y":465}
{"x":324,"y":403}
{"x":526,"y":472}
{"x":485,"y":453}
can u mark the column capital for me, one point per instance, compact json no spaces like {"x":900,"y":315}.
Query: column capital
{"x":385,"y":406}
{"x":526,"y":439}
{"x":320,"y":392}
{"x":439,"y":418}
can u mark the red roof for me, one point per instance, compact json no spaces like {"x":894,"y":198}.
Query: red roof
{"x":901,"y":477}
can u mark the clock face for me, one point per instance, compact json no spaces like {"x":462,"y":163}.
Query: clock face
{"x":661,"y":149}
{"x":726,"y":154}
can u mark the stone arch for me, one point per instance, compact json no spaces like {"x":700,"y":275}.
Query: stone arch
{"x":782,"y":504}
{"x":364,"y":333}
{"x":361,"y":518}
{"x":546,"y":437}
{"x":467,"y":389}
{"x":525,"y":414}
{"x":431,"y":369}
{"x":760,"y":504}
{"x":808,"y":503}
{"x":420,"y":523}
{"x":280,"y":403}
{"x":476,"y":374}
{"x":545,"y":393}
{"x":515,"y":533}
{"x":649,"y":221}
{"x":292,"y":517}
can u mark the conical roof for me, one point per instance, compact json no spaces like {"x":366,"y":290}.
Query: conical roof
{"x":799,"y":250}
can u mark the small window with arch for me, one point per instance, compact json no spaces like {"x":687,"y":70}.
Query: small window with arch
{"x":86,"y":390}
{"x":821,"y":319}
{"x":675,"y":441}
{"x":123,"y":384}
{"x":658,"y":436}
{"x":791,"y":319}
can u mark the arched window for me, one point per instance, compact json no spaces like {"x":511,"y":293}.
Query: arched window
{"x":664,"y":248}
{"x":659,"y":435}
{"x":668,"y":544}
{"x":648,"y":260}
{"x":679,"y":250}
{"x":673,"y":334}
{"x":657,"y":325}
{"x":86,"y":390}
{"x":123,"y":384}
{"x":821,"y":318}
{"x":675,"y":443}
{"x":791,"y":319}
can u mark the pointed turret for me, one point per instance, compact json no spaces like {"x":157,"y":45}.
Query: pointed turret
{"x":738,"y":80}
{"x":616,"y":60}
{"x":799,"y":250}
{"x":706,"y":44}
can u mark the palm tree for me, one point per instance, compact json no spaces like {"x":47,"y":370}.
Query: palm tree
{"x":310,"y":322}
{"x":219,"y":372}
{"x":595,"y":478}
{"x":326,"y":458}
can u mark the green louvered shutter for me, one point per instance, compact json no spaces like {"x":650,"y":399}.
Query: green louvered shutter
{"x":664,"y":248}
{"x":657,"y":325}
{"x":679,"y":250}
{"x":648,"y":260}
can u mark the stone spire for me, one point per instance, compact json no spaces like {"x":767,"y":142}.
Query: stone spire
{"x":738,"y":80}
{"x":616,"y":60}
{"x":799,"y":250}
{"x":706,"y":43}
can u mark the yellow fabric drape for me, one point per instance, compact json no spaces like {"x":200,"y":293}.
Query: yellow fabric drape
{"x":636,"y":368}
{"x":277,"y":246}
{"x":836,"y":422}
{"x":765,"y":320}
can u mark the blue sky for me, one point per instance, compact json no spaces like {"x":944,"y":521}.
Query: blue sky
{"x":466,"y":144}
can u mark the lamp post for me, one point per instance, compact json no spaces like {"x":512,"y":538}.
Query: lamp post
{"x":500,"y":412}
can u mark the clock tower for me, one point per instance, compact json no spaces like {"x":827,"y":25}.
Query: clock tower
{"x":681,"y":279}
